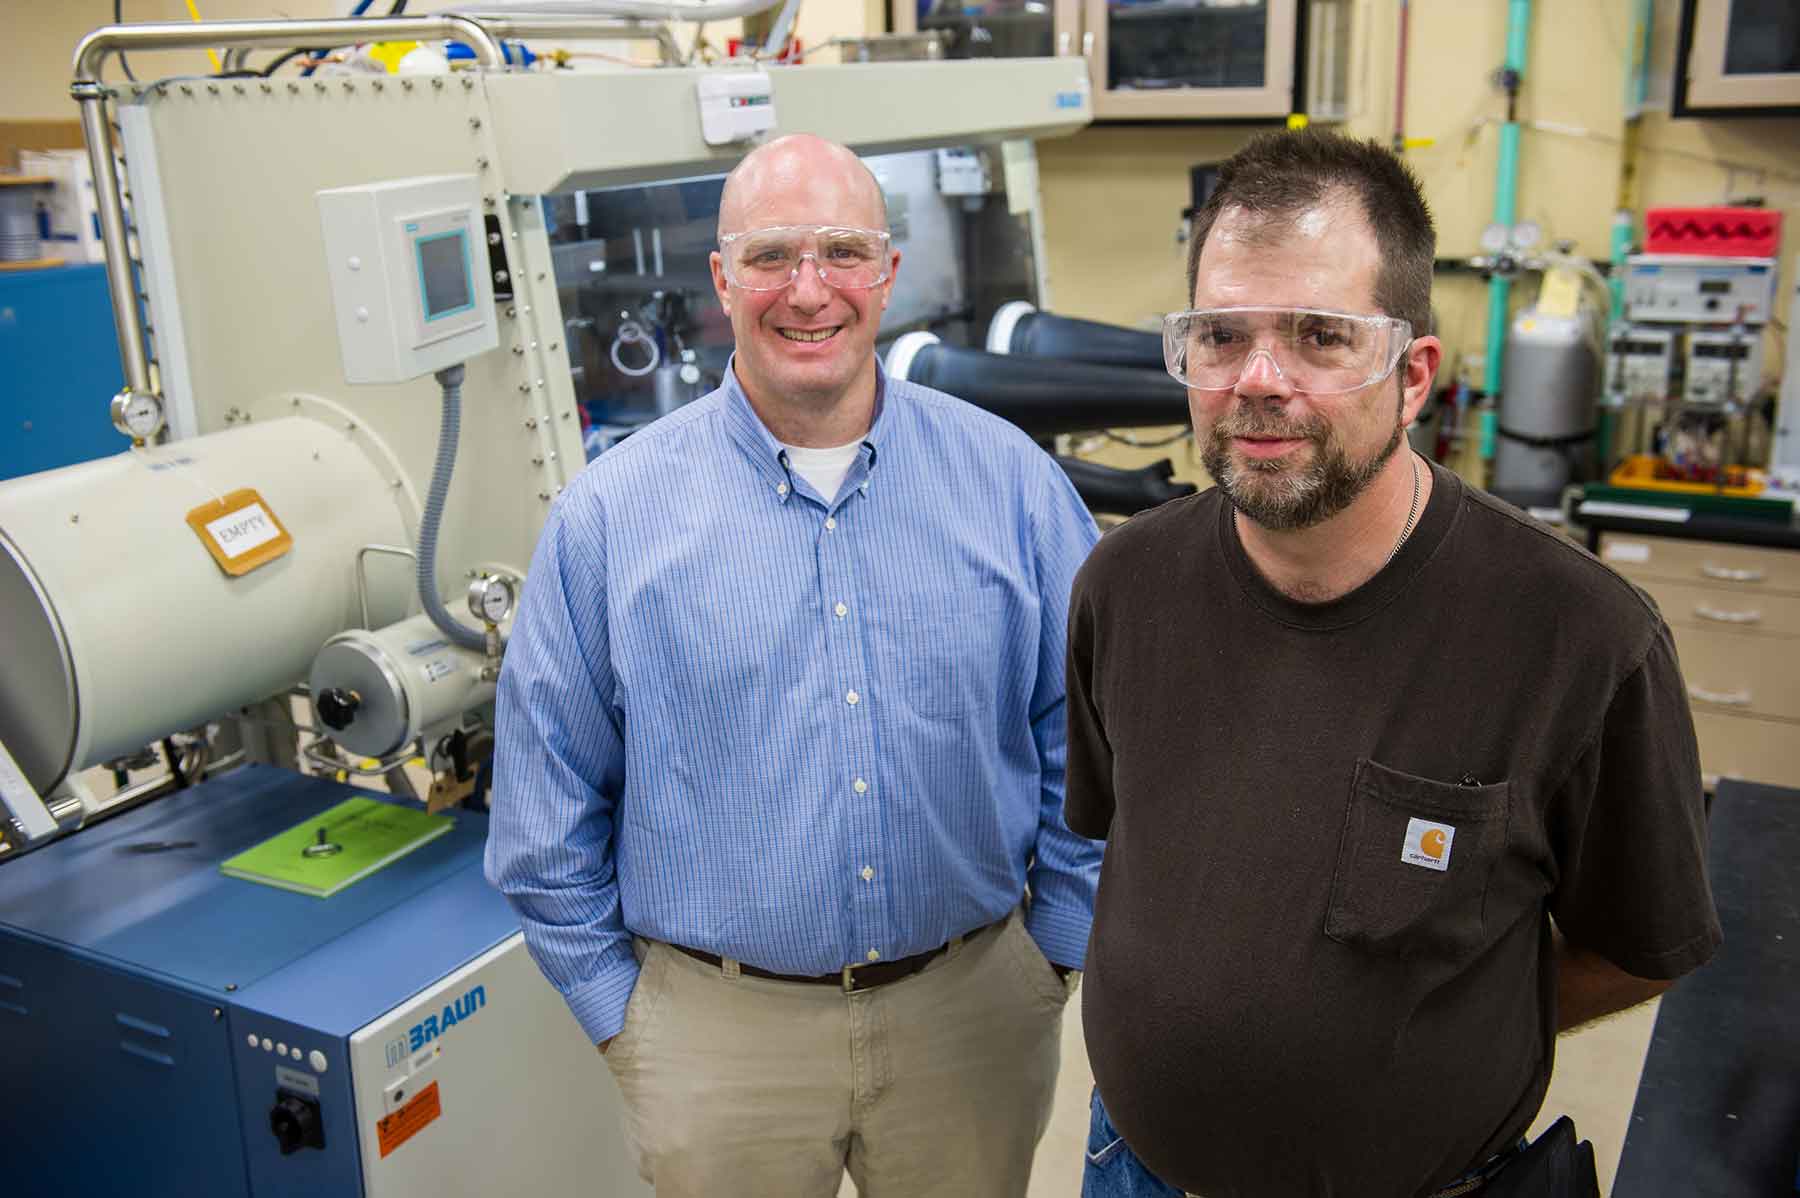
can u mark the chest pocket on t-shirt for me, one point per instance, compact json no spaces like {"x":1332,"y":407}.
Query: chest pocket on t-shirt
{"x":1414,"y":863}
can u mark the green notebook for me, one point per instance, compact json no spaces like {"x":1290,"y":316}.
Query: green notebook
{"x":367,"y":832}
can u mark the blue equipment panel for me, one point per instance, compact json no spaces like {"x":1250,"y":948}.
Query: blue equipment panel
{"x":133,"y":975}
{"x":59,"y":368}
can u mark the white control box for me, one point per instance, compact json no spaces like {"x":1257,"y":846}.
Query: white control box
{"x":1639,"y":362}
{"x":735,"y":105}
{"x":1695,"y":290}
{"x":409,"y":276}
{"x":1723,"y":367}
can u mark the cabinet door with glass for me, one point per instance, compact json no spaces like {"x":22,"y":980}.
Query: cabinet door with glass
{"x":1738,"y":58}
{"x":1190,"y":58}
{"x":1149,"y":59}
{"x":994,"y":28}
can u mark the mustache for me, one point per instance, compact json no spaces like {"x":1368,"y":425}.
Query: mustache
{"x":1248,"y":420}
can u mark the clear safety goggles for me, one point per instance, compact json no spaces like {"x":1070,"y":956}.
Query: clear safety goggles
{"x":1319,"y":352}
{"x":770,"y":259}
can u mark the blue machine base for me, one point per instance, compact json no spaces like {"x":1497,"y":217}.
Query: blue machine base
{"x":138,"y":986}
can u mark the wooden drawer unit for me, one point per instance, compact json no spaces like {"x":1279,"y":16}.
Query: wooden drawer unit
{"x":1738,"y":746}
{"x":1736,"y":567}
{"x":1736,"y":608}
{"x":1738,"y":671}
{"x":1735,"y":613}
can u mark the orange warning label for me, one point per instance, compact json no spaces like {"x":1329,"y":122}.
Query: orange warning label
{"x":396,"y":1129}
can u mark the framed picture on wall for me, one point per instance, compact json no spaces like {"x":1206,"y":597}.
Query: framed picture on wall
{"x":1738,"y":58}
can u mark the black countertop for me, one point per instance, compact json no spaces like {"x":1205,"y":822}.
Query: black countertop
{"x":1718,"y":1105}
{"x":1698,"y":527}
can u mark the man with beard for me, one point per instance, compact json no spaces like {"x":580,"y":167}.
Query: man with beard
{"x":1395,"y":782}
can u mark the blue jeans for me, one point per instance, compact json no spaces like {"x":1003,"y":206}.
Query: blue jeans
{"x":1112,"y":1169}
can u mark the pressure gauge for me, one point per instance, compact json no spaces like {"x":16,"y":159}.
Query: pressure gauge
{"x":1493,"y":238}
{"x":137,"y":415}
{"x":491,"y":598}
{"x":1526,"y":234}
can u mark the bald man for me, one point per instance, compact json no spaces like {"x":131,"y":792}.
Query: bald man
{"x":779,"y":773}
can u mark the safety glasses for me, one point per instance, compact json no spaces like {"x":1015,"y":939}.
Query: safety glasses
{"x":770,"y":259}
{"x":1316,"y":351}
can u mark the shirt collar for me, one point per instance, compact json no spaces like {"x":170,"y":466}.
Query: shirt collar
{"x":766,"y":454}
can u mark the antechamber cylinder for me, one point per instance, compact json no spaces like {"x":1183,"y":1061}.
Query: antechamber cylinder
{"x":1040,"y":395}
{"x":121,"y":627}
{"x":1018,"y":328}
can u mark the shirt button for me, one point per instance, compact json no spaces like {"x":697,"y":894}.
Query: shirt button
{"x":781,"y":488}
{"x":841,"y":611}
{"x":860,"y":787}
{"x":868,"y":873}
{"x":853,"y":698}
{"x":830,"y":523}
{"x":874,"y":954}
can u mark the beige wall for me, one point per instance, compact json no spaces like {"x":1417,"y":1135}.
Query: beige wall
{"x":1113,"y":194}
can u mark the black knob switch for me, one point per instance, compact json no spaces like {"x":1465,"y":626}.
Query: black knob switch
{"x":338,"y":707}
{"x":296,"y":1123}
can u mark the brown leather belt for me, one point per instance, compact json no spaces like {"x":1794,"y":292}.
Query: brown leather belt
{"x":852,"y":978}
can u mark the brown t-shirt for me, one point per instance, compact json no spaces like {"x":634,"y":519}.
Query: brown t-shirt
{"x":1320,"y":962}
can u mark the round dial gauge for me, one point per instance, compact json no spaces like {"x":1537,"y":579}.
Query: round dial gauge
{"x":491,"y":599}
{"x":138,"y":416}
{"x":1493,"y":238}
{"x":1526,"y":234}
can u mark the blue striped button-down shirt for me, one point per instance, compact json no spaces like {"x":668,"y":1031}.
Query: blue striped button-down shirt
{"x":798,"y":730}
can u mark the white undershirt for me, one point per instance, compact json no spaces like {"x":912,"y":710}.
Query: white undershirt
{"x":823,"y":468}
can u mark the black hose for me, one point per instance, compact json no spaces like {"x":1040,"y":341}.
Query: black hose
{"x":1042,"y":335}
{"x":281,"y":61}
{"x":1044,"y":396}
{"x":1120,"y":492}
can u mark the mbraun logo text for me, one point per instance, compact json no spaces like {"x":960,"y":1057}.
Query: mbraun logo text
{"x":433,"y":1026}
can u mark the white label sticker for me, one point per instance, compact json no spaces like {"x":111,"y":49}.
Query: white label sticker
{"x":441,"y":668}
{"x":293,"y":1079}
{"x":421,"y":648}
{"x":1427,"y":844}
{"x":1625,"y":551}
{"x":237,"y":533}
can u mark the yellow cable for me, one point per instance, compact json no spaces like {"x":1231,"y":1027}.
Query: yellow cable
{"x":212,"y":54}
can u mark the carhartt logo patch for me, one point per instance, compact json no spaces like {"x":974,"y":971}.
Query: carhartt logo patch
{"x":1427,"y":844}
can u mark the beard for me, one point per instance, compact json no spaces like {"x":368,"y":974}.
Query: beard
{"x":1275,"y":494}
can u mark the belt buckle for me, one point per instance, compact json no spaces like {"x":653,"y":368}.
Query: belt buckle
{"x":849,"y":979}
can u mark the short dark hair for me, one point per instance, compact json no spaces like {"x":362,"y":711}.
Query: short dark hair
{"x":1280,"y":175}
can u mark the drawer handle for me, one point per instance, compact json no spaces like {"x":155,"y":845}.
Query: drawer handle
{"x":1723,"y":698}
{"x":1727,"y":617}
{"x":1731,"y":573}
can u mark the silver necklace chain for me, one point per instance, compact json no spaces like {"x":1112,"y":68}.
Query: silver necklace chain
{"x":1412,"y":513}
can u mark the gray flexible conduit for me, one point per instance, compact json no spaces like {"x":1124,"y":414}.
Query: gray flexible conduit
{"x":450,"y":379}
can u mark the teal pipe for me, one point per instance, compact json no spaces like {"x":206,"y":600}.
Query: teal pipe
{"x":1506,"y":197}
{"x":1518,"y":34}
{"x":1623,"y":233}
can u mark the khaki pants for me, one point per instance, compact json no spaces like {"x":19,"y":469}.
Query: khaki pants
{"x":936,"y":1085}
